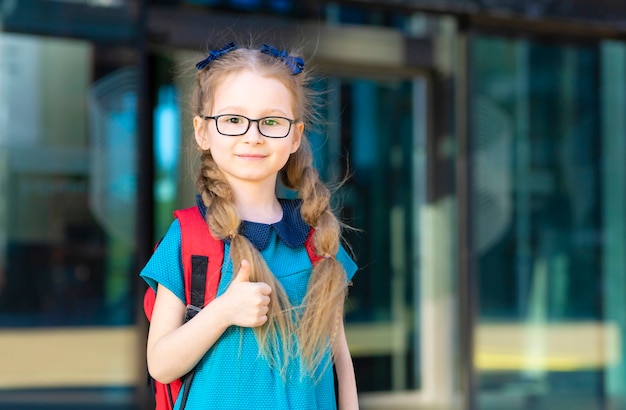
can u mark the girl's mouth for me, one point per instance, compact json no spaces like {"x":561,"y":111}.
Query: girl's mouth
{"x":251,"y":157}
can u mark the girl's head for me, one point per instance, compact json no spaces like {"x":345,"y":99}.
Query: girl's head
{"x":250,"y":128}
{"x":275,"y":84}
{"x":268,"y":62}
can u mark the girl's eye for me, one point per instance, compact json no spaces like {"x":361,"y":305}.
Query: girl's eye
{"x":272,"y":122}
{"x":233,"y":120}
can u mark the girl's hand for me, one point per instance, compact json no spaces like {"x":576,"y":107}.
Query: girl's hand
{"x":246,"y":303}
{"x":243,"y":304}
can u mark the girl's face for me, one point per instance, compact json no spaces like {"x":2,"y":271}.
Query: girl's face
{"x":250,"y":157}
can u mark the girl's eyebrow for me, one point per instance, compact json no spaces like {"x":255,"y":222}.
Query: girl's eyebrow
{"x":238,"y":110}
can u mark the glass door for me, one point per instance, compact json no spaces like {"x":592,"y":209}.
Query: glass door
{"x":400,"y":311}
{"x":547,"y":207}
{"x":68,"y":124}
{"x":371,"y":138}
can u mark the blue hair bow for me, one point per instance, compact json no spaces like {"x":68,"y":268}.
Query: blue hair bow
{"x":295,"y":64}
{"x":215,"y":54}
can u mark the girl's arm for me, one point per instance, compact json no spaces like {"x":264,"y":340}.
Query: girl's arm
{"x":175,"y":347}
{"x":348,"y":399}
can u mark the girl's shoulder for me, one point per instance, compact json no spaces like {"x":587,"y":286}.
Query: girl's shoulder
{"x":165,"y":265}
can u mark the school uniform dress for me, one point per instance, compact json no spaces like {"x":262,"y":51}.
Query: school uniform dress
{"x":233,"y":374}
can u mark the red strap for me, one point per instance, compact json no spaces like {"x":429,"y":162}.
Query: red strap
{"x":148,"y":302}
{"x":310,"y":248}
{"x":197,"y":240}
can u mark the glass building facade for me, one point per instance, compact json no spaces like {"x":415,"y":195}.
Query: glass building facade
{"x":485,"y":144}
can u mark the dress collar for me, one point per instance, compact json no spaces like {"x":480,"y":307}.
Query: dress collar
{"x":291,"y":228}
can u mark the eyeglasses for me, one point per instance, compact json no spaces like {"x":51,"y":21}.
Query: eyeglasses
{"x":233,"y":125}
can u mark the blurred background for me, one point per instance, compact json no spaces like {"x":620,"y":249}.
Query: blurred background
{"x":485,"y":140}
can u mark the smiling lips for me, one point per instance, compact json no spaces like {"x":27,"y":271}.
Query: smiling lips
{"x":251,"y":157}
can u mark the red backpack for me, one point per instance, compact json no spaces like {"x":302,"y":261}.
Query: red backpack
{"x":202,"y":256}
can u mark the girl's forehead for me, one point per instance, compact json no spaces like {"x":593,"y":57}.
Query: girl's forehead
{"x":250,"y":77}
{"x":249,"y":88}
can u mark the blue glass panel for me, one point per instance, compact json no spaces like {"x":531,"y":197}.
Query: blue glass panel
{"x":538,"y":223}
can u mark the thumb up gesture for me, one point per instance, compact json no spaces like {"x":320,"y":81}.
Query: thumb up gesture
{"x":246,"y":303}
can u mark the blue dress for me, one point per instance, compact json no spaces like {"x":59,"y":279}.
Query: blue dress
{"x":232,"y":374}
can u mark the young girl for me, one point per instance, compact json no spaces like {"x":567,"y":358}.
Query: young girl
{"x":270,"y":338}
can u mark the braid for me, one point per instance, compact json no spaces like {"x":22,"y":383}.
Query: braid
{"x":218,"y":197}
{"x":327,"y":289}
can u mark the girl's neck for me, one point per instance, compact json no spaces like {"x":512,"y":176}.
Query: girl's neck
{"x":257,"y":203}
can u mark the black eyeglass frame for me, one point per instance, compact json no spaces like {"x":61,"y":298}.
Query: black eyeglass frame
{"x":250,"y":121}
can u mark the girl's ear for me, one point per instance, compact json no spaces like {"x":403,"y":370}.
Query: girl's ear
{"x":297,"y":136}
{"x":199,"y":128}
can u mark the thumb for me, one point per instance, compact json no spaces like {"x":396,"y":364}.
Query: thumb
{"x":244,"y":272}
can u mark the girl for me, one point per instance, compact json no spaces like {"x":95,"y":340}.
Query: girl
{"x":272,"y":335}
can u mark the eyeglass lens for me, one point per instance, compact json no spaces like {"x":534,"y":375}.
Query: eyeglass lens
{"x":274,"y":127}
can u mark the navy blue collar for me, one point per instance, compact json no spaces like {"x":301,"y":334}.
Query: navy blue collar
{"x":291,"y":228}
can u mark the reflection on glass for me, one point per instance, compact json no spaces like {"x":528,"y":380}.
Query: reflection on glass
{"x":113,"y":130}
{"x":68,"y":186}
{"x":543,"y":335}
{"x":167,"y":142}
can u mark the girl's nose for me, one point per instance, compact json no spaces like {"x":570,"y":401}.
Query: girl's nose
{"x":253,"y":135}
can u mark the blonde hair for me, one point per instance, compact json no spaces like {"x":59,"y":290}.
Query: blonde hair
{"x":314,"y":322}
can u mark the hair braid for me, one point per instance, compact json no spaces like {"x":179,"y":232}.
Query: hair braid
{"x":327,"y":289}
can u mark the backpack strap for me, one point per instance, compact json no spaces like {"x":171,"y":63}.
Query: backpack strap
{"x":310,"y":248}
{"x":202,"y":257}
